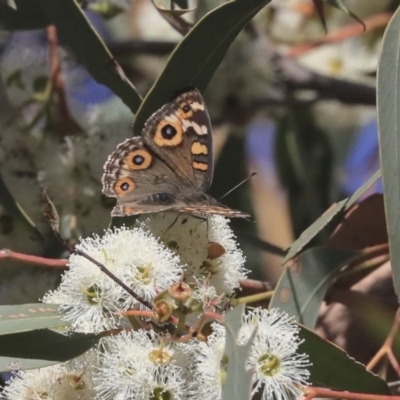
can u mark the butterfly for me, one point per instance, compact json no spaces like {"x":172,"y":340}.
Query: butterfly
{"x":170,"y":166}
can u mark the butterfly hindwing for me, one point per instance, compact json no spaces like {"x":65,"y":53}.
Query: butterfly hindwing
{"x":134,"y":174}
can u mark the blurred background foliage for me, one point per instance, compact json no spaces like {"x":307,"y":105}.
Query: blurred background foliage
{"x":293,"y":99}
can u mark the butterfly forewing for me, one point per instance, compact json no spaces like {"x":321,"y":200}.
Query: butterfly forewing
{"x":180,"y":133}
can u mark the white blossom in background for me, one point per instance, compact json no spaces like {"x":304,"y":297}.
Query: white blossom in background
{"x":189,"y":237}
{"x":135,"y":365}
{"x":92,"y":301}
{"x":68,"y":381}
{"x":278,"y":367}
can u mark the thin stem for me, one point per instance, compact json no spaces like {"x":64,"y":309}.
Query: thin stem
{"x":138,"y":313}
{"x":386,"y":348}
{"x":253,"y":298}
{"x":52,"y":263}
{"x":57,"y":81}
{"x":343,"y":33}
{"x":115,"y":279}
{"x":257,"y":286}
{"x":314,"y":392}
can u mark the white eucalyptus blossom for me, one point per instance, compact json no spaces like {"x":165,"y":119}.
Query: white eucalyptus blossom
{"x":278,"y":368}
{"x":68,"y":381}
{"x":205,"y":294}
{"x":136,"y":364}
{"x":228,"y":270}
{"x":91,"y":300}
{"x":210,"y":366}
{"x":190,"y":237}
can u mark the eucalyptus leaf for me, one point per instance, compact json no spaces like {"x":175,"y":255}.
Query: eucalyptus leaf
{"x":195,"y":59}
{"x":333,"y":368}
{"x":341,"y":6}
{"x":319,"y":7}
{"x":39,"y":348}
{"x":238,"y":379}
{"x":302,"y":288}
{"x":22,"y":15}
{"x":313,"y":230}
{"x":334,"y":211}
{"x":81,"y":37}
{"x":28,"y":317}
{"x":388,"y":102}
{"x":12,"y":207}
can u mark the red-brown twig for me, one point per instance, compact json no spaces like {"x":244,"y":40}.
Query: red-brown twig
{"x":314,"y":392}
{"x":343,"y":33}
{"x":256,"y":286}
{"x":58,"y":82}
{"x":53,"y":263}
{"x":386,"y":349}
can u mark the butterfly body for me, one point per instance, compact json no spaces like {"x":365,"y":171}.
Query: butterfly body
{"x":170,"y":166}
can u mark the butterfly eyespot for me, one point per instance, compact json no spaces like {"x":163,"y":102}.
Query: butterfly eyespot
{"x":168,"y":132}
{"x":138,"y":159}
{"x":124,"y":186}
{"x":184,"y":111}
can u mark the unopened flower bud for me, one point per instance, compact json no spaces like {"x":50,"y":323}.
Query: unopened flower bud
{"x":162,"y":310}
{"x":180,"y":291}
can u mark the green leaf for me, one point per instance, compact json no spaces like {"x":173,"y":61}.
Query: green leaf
{"x":334,"y":211}
{"x":319,"y":7}
{"x":333,"y":368}
{"x":388,"y":101}
{"x":80,"y":36}
{"x":11,"y":206}
{"x":361,"y":190}
{"x":173,"y":17}
{"x":40,"y":348}
{"x":313,"y":230}
{"x":166,"y":6}
{"x":22,"y":15}
{"x":107,"y":9}
{"x":341,"y":6}
{"x":302,"y":288}
{"x":28,"y":317}
{"x":182,"y":3}
{"x":238,"y":379}
{"x":197,"y":56}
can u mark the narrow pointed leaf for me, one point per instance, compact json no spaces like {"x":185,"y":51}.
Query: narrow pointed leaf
{"x":16,"y":211}
{"x":341,"y":6}
{"x":238,"y":379}
{"x":22,"y":15}
{"x":77,"y":32}
{"x":334,"y":211}
{"x":302,"y":288}
{"x":28,"y":317}
{"x":388,"y":99}
{"x":43,"y":347}
{"x":195,"y":59}
{"x":333,"y":368}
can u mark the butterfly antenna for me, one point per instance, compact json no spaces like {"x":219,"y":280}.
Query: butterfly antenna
{"x":239,"y":184}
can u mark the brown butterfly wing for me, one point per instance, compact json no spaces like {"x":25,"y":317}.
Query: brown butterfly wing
{"x":138,"y":179}
{"x":180,"y":134}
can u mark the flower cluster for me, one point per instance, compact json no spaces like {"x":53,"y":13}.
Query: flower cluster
{"x":187,"y":270}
